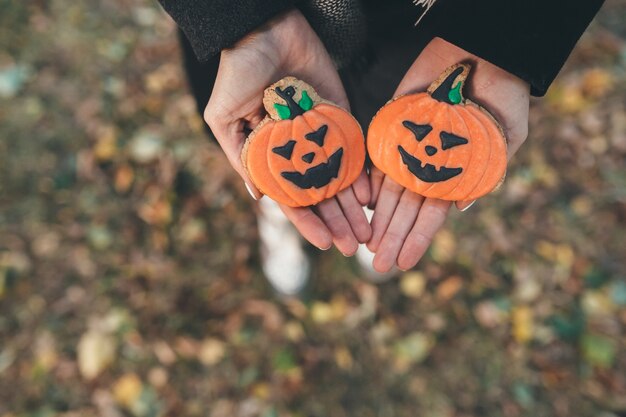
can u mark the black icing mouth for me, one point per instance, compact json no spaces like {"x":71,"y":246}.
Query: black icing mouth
{"x":319,"y":175}
{"x":429,"y":173}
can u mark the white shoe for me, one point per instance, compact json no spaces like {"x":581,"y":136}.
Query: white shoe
{"x":284,"y":261}
{"x":365,"y":257}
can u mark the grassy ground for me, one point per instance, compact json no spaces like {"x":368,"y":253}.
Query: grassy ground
{"x":129,"y":270}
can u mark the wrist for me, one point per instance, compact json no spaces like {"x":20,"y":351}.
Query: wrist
{"x":439,"y":54}
{"x":275,"y":39}
{"x":486,"y":74}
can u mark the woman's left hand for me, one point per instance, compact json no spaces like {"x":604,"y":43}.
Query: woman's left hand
{"x":404,"y":223}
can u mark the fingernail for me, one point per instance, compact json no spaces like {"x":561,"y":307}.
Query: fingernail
{"x":250,"y":191}
{"x":468,"y":206}
{"x":329,"y":246}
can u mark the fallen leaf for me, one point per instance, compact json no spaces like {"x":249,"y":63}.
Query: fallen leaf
{"x":489,"y":315}
{"x":96,"y":351}
{"x":156,"y":212}
{"x":106,"y":145}
{"x":12,"y":78}
{"x":522,"y":318}
{"x":597,"y":303}
{"x":211,"y":351}
{"x":597,"y":82}
{"x":343,"y":358}
{"x":127,"y":390}
{"x":145,"y":147}
{"x":412,"y":284}
{"x":449,"y":288}
{"x":443,"y":246}
{"x":293,"y":331}
{"x":321,"y":312}
{"x":412,"y":349}
{"x":158,"y":377}
{"x":598,"y":350}
{"x":124,"y":176}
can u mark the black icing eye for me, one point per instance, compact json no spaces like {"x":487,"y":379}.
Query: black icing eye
{"x":420,"y":131}
{"x":286,"y":150}
{"x":317,"y":136}
{"x":450,"y":140}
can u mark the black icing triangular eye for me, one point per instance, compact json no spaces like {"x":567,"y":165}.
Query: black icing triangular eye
{"x":286,"y":150}
{"x":450,"y":140}
{"x":317,"y":136}
{"x":420,"y":131}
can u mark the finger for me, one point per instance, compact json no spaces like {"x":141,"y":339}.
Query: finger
{"x":429,"y":220}
{"x":353,"y":211}
{"x":326,"y":82}
{"x":403,"y":220}
{"x":343,"y":237}
{"x":231,"y":136}
{"x":376,"y":181}
{"x":361,"y":188}
{"x":311,"y":227}
{"x":516,"y":140}
{"x":388,"y":198}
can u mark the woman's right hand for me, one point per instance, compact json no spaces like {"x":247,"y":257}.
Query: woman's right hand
{"x":285,"y":46}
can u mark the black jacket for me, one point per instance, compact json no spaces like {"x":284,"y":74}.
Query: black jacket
{"x":528,"y":38}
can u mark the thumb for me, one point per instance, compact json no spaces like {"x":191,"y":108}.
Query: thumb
{"x":231,"y":139}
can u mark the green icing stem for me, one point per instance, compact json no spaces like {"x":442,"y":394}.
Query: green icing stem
{"x":283,"y":111}
{"x":305,"y":101}
{"x":455,"y":94}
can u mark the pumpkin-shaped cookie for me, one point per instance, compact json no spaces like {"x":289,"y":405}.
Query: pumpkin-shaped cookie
{"x":438,"y":143}
{"x":306,"y":150}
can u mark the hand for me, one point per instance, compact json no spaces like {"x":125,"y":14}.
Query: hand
{"x":405,"y":223}
{"x":285,"y":46}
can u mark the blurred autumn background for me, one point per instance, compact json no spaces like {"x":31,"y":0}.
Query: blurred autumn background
{"x":130,"y":282}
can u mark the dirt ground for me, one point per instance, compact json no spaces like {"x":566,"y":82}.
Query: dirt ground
{"x":130,"y":282}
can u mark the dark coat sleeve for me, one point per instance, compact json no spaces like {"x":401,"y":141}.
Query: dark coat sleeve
{"x":528,"y":38}
{"x":212,"y":25}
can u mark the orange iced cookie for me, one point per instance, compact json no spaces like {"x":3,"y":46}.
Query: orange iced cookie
{"x":306,"y":150}
{"x":438,"y":143}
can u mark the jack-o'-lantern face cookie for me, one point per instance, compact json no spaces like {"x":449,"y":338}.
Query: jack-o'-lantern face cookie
{"x":306,"y":150}
{"x":439,"y":144}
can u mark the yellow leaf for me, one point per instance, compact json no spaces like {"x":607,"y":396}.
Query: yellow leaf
{"x":127,"y":389}
{"x":339,"y":307}
{"x":412,"y":284}
{"x":321,"y":312}
{"x":546,"y":250}
{"x":522,"y":324}
{"x":582,"y":205}
{"x":261,"y":390}
{"x":567,"y":98}
{"x":597,"y":303}
{"x":564,"y":256}
{"x":192,"y":231}
{"x":211,"y":351}
{"x":597,"y":82}
{"x":106,"y":146}
{"x":96,"y":351}
{"x":343,"y":358}
{"x":166,"y":77}
{"x":293,"y":331}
